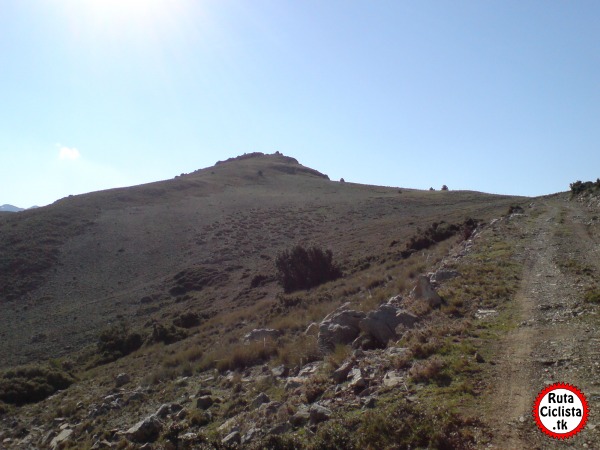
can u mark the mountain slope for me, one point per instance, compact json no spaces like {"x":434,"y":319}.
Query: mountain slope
{"x":73,"y":268}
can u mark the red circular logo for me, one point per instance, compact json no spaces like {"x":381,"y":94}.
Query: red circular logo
{"x":560,"y":410}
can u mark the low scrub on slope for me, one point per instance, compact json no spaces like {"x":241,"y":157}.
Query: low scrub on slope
{"x":585,"y":188}
{"x":304,"y":268}
{"x":30,"y":384}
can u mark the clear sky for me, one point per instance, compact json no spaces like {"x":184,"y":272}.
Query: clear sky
{"x":496,"y":96}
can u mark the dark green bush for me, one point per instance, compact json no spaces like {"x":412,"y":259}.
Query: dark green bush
{"x":587,"y":187}
{"x":117,"y":341}
{"x":438,"y":232}
{"x":301,"y":268}
{"x":30,"y":384}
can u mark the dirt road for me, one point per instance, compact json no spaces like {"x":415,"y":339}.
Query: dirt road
{"x":557,"y":337}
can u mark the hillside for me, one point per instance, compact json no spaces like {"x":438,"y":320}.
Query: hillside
{"x":156,"y":313}
{"x":86,"y":261}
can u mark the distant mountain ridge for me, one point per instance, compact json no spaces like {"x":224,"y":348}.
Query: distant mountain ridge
{"x":10,"y":208}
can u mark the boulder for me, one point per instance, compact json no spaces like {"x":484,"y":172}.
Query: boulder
{"x":392,"y":379}
{"x":294,"y":383}
{"x":358,"y":382}
{"x":168,"y":408}
{"x":365,"y":342}
{"x":147,"y":430}
{"x":232,"y":438}
{"x":280,"y":371}
{"x":341,"y":373}
{"x":259,"y":400}
{"x":339,"y":327}
{"x":443,"y":275}
{"x":204,"y":402}
{"x":62,"y":437}
{"x":382,"y":323}
{"x":261,"y":334}
{"x":300,"y":418}
{"x":319,"y":414}
{"x":424,"y":291}
{"x":122,"y":379}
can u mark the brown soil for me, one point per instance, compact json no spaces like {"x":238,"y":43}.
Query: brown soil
{"x":556,"y":336}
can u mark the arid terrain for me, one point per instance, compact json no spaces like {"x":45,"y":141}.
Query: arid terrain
{"x":152,"y":316}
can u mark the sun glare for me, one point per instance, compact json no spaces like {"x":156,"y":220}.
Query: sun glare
{"x":125,"y":17}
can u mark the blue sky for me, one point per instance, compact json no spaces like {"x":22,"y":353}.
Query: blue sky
{"x":496,"y":96}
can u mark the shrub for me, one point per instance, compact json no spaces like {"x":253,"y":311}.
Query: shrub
{"x":428,"y":370}
{"x":588,"y":187}
{"x":438,"y":232}
{"x":444,"y":188}
{"x":515,"y":209}
{"x":31,"y":384}
{"x":592,"y":296}
{"x":166,"y":334}
{"x":187,"y":320}
{"x":333,"y":436}
{"x":116,"y":341}
{"x":301,"y":268}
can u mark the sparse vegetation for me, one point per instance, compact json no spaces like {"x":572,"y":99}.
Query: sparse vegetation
{"x":592,"y":295}
{"x":584,"y":188}
{"x":30,"y":384}
{"x":117,"y":341}
{"x":304,"y":268}
{"x":438,"y":232}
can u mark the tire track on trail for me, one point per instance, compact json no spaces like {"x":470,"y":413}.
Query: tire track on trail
{"x":556,"y":337}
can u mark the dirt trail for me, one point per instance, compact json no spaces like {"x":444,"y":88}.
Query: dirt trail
{"x":557,"y":334}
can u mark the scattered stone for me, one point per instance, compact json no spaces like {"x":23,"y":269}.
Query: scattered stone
{"x":339,"y":327}
{"x":443,"y":275}
{"x":229,"y":426}
{"x":396,"y":300}
{"x":392,"y":379}
{"x":358,"y":382}
{"x":319,"y":414}
{"x":280,"y":428}
{"x":122,"y":379}
{"x":294,"y":383}
{"x":48,"y":438}
{"x":280,"y":371}
{"x":300,"y":418}
{"x":232,"y":438}
{"x":63,"y":436}
{"x":251,"y":435}
{"x":259,"y":400}
{"x":370,"y":402}
{"x":423,"y":290}
{"x":485,"y":313}
{"x":261,"y":334}
{"x":382,"y":323}
{"x":204,"y":402}
{"x":341,"y":373}
{"x":309,"y":369}
{"x":146,"y":430}
{"x":167,"y":409}
{"x":365,"y":342}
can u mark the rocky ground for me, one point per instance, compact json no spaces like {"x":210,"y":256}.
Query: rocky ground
{"x":456,"y":370}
